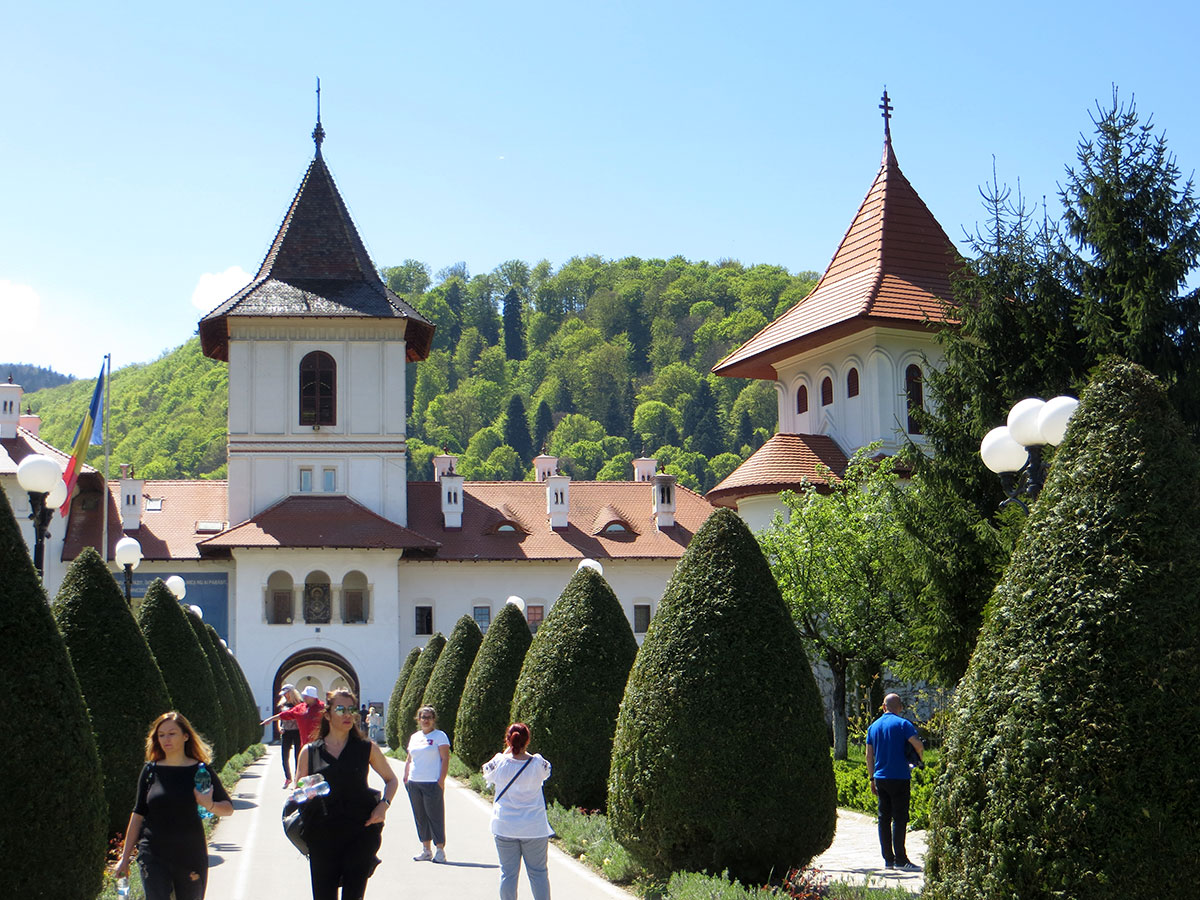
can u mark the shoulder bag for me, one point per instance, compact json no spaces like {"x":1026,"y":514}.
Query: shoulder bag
{"x":293,"y":812}
{"x":514,"y":778}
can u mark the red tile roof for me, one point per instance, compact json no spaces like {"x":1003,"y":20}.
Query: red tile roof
{"x":786,"y":461}
{"x":892,"y":268}
{"x":26,"y":443}
{"x":317,"y":266}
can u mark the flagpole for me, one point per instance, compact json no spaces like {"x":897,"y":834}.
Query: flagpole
{"x":107,"y":494}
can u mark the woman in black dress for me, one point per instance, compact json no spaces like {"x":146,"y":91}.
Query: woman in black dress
{"x":165,"y":825}
{"x":343,"y":828}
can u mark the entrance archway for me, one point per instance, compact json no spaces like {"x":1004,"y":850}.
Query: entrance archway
{"x":320,"y":667}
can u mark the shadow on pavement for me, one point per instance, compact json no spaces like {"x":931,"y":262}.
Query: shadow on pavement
{"x":468,"y":865}
{"x":239,"y":803}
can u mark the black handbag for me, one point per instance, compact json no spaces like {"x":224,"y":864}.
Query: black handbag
{"x":294,"y":813}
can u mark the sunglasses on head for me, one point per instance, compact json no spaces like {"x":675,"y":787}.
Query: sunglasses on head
{"x":345,"y":710}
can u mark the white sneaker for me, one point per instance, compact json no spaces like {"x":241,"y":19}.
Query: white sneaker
{"x":423,"y":855}
{"x":440,"y":856}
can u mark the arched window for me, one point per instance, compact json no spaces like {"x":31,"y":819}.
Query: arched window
{"x":852,"y":383}
{"x":826,"y":391}
{"x":318,"y":389}
{"x":802,"y":399}
{"x":317,"y":608}
{"x":914,"y":392}
{"x":280,"y":604}
{"x":355,"y":598}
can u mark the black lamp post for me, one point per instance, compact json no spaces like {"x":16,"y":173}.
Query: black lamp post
{"x":42,"y":479}
{"x":1014,"y":451}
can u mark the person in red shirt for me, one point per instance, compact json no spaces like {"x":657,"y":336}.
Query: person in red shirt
{"x":307,"y":715}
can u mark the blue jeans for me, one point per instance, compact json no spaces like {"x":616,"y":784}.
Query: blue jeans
{"x":533,"y":850}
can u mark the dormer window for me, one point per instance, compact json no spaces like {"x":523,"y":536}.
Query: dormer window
{"x":318,"y":386}
{"x":506,"y":527}
{"x":615,"y":528}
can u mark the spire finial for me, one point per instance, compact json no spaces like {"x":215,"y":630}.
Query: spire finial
{"x":318,"y":132}
{"x":886,"y":106}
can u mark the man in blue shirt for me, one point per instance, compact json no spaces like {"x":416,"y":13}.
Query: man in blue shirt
{"x":890,"y":778}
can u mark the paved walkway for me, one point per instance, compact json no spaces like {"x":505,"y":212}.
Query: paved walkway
{"x":250,"y":859}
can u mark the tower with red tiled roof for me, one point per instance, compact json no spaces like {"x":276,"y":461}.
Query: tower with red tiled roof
{"x":848,"y":360}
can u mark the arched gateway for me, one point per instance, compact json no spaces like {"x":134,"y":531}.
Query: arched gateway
{"x":319,"y":667}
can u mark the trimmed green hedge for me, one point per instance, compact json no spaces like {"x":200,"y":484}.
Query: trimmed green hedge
{"x":721,"y":759}
{"x":570,"y":688}
{"x":121,"y":683}
{"x":1070,"y":757}
{"x":445,"y":687}
{"x":487,"y":695}
{"x":53,"y":831}
{"x":391,"y":726}
{"x":245,"y":718}
{"x":414,"y":690}
{"x":223,"y":741}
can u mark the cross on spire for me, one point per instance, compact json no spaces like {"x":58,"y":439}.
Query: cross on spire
{"x":318,"y":132}
{"x":886,"y":106}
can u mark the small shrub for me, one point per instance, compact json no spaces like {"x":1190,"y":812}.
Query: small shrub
{"x":414,"y":690}
{"x":445,"y":687}
{"x":483,"y":713}
{"x":588,"y":837}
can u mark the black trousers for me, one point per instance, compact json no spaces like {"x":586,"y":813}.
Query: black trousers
{"x":894,"y":794}
{"x":345,"y":857}
{"x":290,"y":740}
{"x":160,"y":878}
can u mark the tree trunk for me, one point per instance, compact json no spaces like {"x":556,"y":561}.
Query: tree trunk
{"x":838,"y":711}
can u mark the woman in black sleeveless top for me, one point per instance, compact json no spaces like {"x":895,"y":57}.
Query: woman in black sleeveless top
{"x":343,"y":829}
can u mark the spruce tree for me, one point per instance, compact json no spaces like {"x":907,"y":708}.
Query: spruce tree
{"x":516,"y":429}
{"x":488,"y":692}
{"x":55,"y":816}
{"x":414,"y":690}
{"x":110,"y":656}
{"x":543,"y":424}
{"x":722,"y":665}
{"x":702,"y":422}
{"x":514,"y":328}
{"x":445,"y":687}
{"x":391,"y":725}
{"x":571,"y":684}
{"x":1091,"y":651}
{"x":183,"y":664}
{"x":223,"y":747}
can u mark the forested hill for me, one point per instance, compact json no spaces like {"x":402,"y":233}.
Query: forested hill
{"x":597,"y":362}
{"x":33,"y":378}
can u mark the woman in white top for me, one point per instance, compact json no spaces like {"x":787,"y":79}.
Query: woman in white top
{"x":425,"y":780}
{"x":519,"y":822}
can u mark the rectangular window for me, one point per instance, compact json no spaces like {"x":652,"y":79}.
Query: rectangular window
{"x":483,"y":617}
{"x":534,"y":616}
{"x":330,"y":480}
{"x":305,"y":480}
{"x":424,"y":620}
{"x":354,"y":605}
{"x":281,"y":608}
{"x":641,"y":618}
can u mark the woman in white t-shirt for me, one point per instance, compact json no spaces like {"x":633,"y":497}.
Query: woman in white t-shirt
{"x":519,"y":823}
{"x":425,"y":779}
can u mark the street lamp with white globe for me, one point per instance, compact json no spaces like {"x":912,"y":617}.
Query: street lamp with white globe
{"x":128,"y":554}
{"x":1014,"y":451}
{"x":41,"y":478}
{"x":177,"y":586}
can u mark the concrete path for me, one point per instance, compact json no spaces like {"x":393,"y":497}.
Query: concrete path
{"x":250,"y":859}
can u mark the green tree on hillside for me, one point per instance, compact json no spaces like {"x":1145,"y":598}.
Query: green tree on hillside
{"x":516,"y":429}
{"x":514,"y":329}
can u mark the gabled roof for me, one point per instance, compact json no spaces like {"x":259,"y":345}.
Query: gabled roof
{"x":785,"y":462}
{"x":317,"y":266}
{"x":892,"y":268}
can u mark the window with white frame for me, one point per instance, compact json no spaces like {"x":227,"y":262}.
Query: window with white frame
{"x":424,"y":620}
{"x":329,"y":480}
{"x":641,"y":618}
{"x":534,"y":616}
{"x":483,"y":617}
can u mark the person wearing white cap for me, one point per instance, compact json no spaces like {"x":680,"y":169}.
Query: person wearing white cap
{"x":307,"y":715}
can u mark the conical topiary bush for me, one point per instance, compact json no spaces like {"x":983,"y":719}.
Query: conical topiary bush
{"x":445,"y":687}
{"x":488,"y":692}
{"x":223,"y":741}
{"x":1070,"y":757}
{"x":570,"y":687}
{"x":110,"y":657}
{"x":721,"y":759}
{"x":54,"y":826}
{"x":244,"y":720}
{"x":391,"y":722}
{"x":183,"y":664}
{"x":255,"y":715}
{"x":414,"y":690}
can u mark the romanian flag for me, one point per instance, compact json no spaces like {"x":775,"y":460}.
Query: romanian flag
{"x":90,"y":432}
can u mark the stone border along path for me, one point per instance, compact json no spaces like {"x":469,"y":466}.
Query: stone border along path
{"x":250,"y":859}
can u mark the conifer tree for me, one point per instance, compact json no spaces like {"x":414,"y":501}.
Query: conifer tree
{"x":120,"y":680}
{"x":54,"y":812}
{"x":543,"y":424}
{"x":248,"y":729}
{"x":391,"y":725}
{"x":1092,"y":648}
{"x":516,"y":429}
{"x":414,"y":690}
{"x":256,"y":715}
{"x":701,"y":421}
{"x":183,"y":664}
{"x":488,"y":692}
{"x":445,"y":687}
{"x":722,"y":661}
{"x":514,"y":328}
{"x":571,"y":684}
{"x":224,"y":741}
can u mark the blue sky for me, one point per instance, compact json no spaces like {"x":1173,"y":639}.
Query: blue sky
{"x":151,"y":150}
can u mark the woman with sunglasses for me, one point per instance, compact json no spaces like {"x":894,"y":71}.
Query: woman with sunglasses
{"x":519,"y":824}
{"x":165,"y":825}
{"x":425,"y":779}
{"x":344,"y":828}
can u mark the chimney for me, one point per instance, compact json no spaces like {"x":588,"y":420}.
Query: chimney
{"x":558,"y":499}
{"x":663,"y":503}
{"x":131,"y":499}
{"x":444,"y":464}
{"x":544,"y":466}
{"x":451,"y":486}
{"x":31,"y":422}
{"x":10,"y":409}
{"x":644,"y":468}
